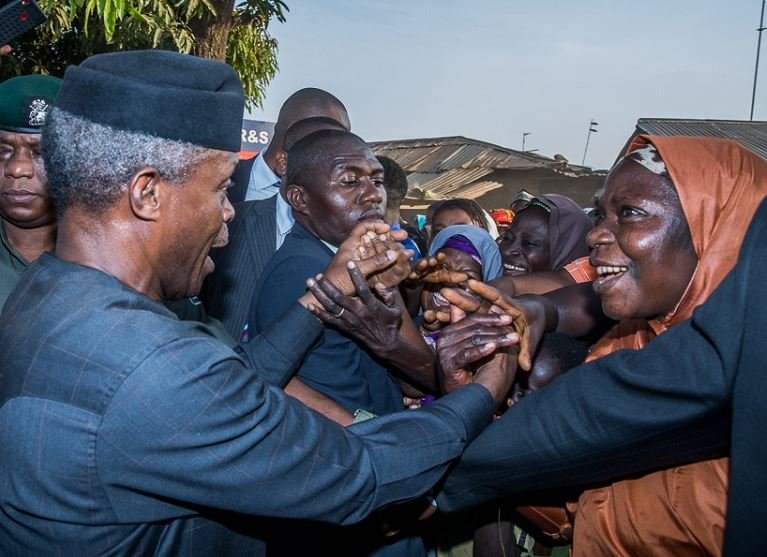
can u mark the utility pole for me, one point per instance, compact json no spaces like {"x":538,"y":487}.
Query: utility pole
{"x":524,"y":135}
{"x":756,"y":66}
{"x":592,"y":129}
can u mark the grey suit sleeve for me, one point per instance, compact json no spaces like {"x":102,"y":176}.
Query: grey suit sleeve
{"x":191,"y":427}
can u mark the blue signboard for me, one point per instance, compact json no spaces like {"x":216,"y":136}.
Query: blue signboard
{"x":256,"y":135}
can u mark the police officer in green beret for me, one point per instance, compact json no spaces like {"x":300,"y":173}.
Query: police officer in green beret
{"x":28,"y":225}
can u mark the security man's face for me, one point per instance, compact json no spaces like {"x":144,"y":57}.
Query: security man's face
{"x":348,"y":189}
{"x":24,"y":199}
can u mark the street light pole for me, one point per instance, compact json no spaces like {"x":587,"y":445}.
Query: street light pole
{"x":592,"y":129}
{"x":524,"y":135}
{"x":756,"y":66}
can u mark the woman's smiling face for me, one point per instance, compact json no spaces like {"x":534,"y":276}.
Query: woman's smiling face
{"x":525,"y":244}
{"x":641,"y":246}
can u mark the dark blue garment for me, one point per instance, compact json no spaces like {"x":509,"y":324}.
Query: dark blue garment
{"x":696,"y":392}
{"x":339,"y":366}
{"x":125,"y":431}
{"x":342,"y":369}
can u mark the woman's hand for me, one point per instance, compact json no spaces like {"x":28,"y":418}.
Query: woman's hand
{"x":528,"y":313}
{"x":434,"y":271}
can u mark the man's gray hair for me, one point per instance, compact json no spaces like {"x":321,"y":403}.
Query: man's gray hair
{"x":90,"y":165}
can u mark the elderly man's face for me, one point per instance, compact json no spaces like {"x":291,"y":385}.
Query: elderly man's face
{"x":352,"y":191}
{"x":24,"y":199}
{"x":197,"y":217}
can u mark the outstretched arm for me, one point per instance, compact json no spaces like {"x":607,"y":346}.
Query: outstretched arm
{"x":632,"y":411}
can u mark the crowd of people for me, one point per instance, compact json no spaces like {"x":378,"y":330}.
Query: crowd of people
{"x":201,"y":355}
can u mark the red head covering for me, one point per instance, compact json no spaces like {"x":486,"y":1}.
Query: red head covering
{"x":502,"y":217}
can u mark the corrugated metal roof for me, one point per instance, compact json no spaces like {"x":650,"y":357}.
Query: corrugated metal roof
{"x":445,"y":167}
{"x":477,"y":189}
{"x":447,"y":182}
{"x":446,"y":153}
{"x":752,"y":135}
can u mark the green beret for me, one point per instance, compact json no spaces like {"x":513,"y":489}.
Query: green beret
{"x":159,"y":93}
{"x":26,"y":101}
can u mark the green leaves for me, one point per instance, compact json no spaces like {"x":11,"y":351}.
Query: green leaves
{"x":76,"y":29}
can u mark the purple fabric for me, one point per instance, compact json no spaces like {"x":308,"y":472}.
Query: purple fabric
{"x":461,"y":243}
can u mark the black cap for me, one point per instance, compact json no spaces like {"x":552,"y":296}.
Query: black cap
{"x":160,"y":93}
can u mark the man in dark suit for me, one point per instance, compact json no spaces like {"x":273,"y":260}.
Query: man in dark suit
{"x":695,"y":392}
{"x":334,"y":181}
{"x":227,"y":291}
{"x":125,"y":431}
{"x":259,"y":177}
{"x":264,"y":219}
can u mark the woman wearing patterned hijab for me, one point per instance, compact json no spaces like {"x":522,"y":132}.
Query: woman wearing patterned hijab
{"x":473,"y":241}
{"x":671,"y":221}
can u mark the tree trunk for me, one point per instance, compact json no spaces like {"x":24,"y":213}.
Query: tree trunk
{"x":212,"y":32}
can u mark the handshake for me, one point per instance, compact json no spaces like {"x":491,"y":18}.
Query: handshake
{"x":483,"y":334}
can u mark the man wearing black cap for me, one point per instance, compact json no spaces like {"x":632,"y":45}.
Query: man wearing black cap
{"x":126,"y":431}
{"x":28,"y":225}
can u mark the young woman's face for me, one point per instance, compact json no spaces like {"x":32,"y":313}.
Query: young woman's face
{"x":449,"y":217}
{"x":455,"y":260}
{"x":641,"y":246}
{"x":525,"y":245}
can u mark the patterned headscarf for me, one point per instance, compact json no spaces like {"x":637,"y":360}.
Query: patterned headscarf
{"x":648,"y":156}
{"x":720,"y":184}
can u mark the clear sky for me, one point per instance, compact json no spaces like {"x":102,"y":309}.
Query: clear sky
{"x":493,"y":69}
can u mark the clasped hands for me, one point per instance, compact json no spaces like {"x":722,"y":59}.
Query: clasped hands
{"x":357,"y":293}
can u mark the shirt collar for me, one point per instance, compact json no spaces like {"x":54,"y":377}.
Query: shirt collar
{"x":285,"y":218}
{"x":262,"y":179}
{"x":331,"y":247}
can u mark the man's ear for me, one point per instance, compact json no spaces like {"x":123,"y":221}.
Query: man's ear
{"x":296,"y":197}
{"x":281,"y":163}
{"x":146,"y":191}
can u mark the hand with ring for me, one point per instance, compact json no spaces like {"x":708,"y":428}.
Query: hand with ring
{"x":372,"y":318}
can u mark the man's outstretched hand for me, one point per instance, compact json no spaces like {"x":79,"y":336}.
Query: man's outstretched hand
{"x":372,"y":319}
{"x":481,"y":342}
